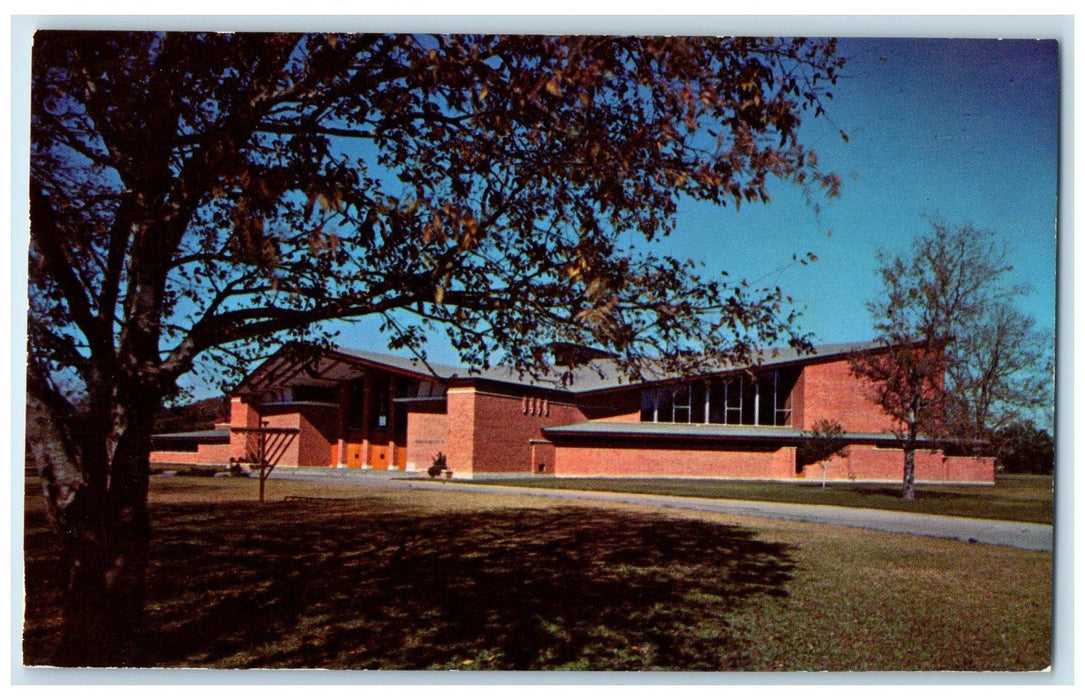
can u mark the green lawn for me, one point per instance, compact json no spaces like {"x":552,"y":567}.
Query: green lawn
{"x":1021,"y":498}
{"x":370,"y":577}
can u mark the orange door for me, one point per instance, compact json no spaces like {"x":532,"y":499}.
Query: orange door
{"x":354,"y":455}
{"x":379,"y":457}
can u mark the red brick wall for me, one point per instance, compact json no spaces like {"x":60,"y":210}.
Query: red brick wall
{"x":868,"y":463}
{"x":601,"y":460}
{"x":829,"y":391}
{"x":242,"y":415}
{"x":980,"y":469}
{"x":492,"y":433}
{"x":460,"y":421}
{"x":427,"y":434}
{"x":863,"y":463}
{"x":503,"y":432}
{"x":312,"y":446}
{"x":542,"y":457}
{"x":210,"y":455}
{"x":319,"y":434}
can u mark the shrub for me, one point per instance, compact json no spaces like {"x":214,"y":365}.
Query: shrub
{"x":440,"y":464}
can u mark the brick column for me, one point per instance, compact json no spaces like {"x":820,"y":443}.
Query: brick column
{"x":367,"y":411}
{"x":341,"y":442}
{"x":391,"y":423}
{"x":242,"y":415}
{"x":460,"y":445}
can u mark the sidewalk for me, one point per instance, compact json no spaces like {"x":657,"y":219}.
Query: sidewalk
{"x":1031,"y":536}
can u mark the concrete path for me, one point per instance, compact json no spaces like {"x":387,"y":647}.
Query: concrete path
{"x":1030,"y":536}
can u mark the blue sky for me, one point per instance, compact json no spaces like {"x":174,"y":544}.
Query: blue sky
{"x":965,"y":130}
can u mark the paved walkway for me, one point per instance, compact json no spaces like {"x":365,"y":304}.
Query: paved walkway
{"x":1030,"y":536}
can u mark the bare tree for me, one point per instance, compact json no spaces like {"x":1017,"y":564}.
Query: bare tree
{"x":1001,"y":371}
{"x":196,"y":198}
{"x":954,"y":349}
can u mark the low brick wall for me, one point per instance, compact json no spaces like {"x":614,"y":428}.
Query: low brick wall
{"x":205,"y":455}
{"x":863,"y":463}
{"x":776,"y":463}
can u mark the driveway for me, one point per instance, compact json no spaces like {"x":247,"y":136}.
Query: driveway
{"x":1030,"y":536}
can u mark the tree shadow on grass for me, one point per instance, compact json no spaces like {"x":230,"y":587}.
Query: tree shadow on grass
{"x":353,"y":584}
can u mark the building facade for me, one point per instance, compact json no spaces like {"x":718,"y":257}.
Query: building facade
{"x":349,"y":409}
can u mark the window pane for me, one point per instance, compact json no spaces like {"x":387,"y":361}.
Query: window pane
{"x":716,"y":401}
{"x":766,"y":409}
{"x":355,"y":403}
{"x":748,"y":398}
{"x":665,"y":401}
{"x":697,"y":398}
{"x":785,"y":386}
{"x":647,"y":405}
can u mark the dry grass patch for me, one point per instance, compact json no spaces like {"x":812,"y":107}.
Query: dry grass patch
{"x":365,"y":577}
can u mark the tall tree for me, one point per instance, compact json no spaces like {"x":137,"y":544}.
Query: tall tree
{"x":1001,"y":372}
{"x":198,"y":197}
{"x":955,"y":349}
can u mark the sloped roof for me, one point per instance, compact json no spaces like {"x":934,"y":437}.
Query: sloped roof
{"x":600,"y":374}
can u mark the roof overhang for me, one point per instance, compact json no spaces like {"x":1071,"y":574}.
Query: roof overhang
{"x":698,"y":433}
{"x":205,"y":437}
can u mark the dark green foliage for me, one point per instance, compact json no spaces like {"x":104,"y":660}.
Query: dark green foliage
{"x":440,"y":463}
{"x":199,"y":415}
{"x":825,"y":441}
{"x":1022,"y":448}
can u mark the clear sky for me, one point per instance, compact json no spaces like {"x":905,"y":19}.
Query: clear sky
{"x":964,"y":130}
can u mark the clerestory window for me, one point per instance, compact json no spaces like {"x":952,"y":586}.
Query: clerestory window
{"x":738,"y":400}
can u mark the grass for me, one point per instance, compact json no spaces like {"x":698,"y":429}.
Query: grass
{"x":1020,"y":498}
{"x":379,"y":577}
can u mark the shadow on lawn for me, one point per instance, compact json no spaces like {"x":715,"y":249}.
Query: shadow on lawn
{"x":351,"y":584}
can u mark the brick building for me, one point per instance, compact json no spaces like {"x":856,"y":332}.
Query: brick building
{"x":350,"y":409}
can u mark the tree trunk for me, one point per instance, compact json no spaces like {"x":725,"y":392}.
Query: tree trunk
{"x":97,"y":499}
{"x":106,"y":550}
{"x":908,"y":493}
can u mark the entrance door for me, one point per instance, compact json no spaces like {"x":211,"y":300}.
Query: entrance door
{"x":354,"y":455}
{"x":378,"y":458}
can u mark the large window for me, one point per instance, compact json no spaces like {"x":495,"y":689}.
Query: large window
{"x":741,"y":400}
{"x":315,"y":394}
{"x":356,"y":403}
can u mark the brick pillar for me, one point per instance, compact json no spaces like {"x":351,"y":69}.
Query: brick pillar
{"x":242,"y":415}
{"x":460,"y":445}
{"x":391,"y":423}
{"x":341,"y":442}
{"x":367,"y":412}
